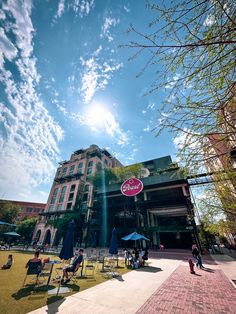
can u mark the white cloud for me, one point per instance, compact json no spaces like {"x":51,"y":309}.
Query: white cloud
{"x":127,"y":155}
{"x":96,"y":75}
{"x":187,"y":139}
{"x":173,"y":82}
{"x":126,"y":9}
{"x":9,"y":51}
{"x":210,"y":20}
{"x":61,"y":8}
{"x":29,"y":138}
{"x":108,"y":23}
{"x":147,"y":129}
{"x":151,"y":106}
{"x":81,"y":8}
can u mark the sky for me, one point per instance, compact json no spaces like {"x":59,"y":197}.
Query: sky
{"x":65,"y":83}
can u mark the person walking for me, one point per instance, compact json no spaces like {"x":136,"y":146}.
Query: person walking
{"x":197,"y":256}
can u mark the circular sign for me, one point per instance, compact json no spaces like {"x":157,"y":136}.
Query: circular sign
{"x":131,"y":187}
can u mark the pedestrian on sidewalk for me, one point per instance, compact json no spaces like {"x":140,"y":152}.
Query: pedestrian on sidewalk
{"x":197,"y":256}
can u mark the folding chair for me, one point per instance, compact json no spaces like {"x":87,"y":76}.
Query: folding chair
{"x":74,"y":276}
{"x":90,"y":267}
{"x":34,"y":269}
{"x":46,"y":272}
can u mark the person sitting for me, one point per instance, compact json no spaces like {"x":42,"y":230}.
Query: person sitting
{"x":126,"y":256}
{"x":9,"y":262}
{"x":77,"y":260}
{"x":162,"y":247}
{"x":36,"y":260}
{"x":145,"y":256}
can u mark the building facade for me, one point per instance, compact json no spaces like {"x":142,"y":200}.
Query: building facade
{"x":71,"y":191}
{"x":28,"y":209}
{"x":162,"y":211}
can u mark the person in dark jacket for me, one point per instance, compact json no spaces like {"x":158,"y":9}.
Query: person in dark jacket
{"x":197,"y":256}
{"x":73,"y":267}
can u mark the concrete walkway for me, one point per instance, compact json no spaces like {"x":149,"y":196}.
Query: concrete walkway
{"x":165,"y":287}
{"x":122,"y":295}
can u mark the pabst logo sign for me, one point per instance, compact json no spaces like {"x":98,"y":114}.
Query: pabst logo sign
{"x":131,"y":187}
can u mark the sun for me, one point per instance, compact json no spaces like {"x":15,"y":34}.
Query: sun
{"x":97,"y":115}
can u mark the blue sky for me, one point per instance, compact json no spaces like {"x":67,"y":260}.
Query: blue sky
{"x":65,"y":84}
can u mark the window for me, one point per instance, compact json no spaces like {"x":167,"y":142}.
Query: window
{"x":106,"y":162}
{"x":54,"y":196}
{"x":59,"y":207}
{"x":90,"y":164}
{"x":55,"y":192}
{"x":63,"y":192}
{"x":86,"y":188}
{"x":80,"y":165}
{"x":69,"y":206}
{"x":72,"y":188}
{"x":50,"y":208}
{"x":70,"y":198}
{"x":90,"y":171}
{"x":64,"y":171}
{"x":53,"y":200}
{"x":72,"y":169}
{"x":58,"y":173}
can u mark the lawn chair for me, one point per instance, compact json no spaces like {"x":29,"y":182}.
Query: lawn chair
{"x":46,"y":273}
{"x":90,"y":267}
{"x":34,"y":269}
{"x":109,"y":267}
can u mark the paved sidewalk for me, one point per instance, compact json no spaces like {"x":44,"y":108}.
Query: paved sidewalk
{"x":165,"y":287}
{"x":207,"y":292}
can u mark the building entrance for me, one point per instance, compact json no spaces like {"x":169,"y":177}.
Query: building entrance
{"x":176,"y":240}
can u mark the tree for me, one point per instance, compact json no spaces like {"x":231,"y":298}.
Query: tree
{"x":191,"y":48}
{"x":191,"y":51}
{"x":103,"y":176}
{"x":26,"y":228}
{"x":9,"y":212}
{"x":62,"y":224}
{"x":213,"y":221}
{"x":123,"y":173}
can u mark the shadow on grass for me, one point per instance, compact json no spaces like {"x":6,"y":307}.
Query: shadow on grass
{"x":32,"y":291}
{"x":73,"y":287}
{"x":149,"y":269}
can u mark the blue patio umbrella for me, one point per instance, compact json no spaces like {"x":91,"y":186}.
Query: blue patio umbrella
{"x":95,"y":240}
{"x":134,"y":236}
{"x":68,"y":243}
{"x":14,"y":234}
{"x":113,"y":249}
{"x":6,"y":223}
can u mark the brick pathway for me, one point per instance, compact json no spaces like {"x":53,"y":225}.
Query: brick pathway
{"x":204,"y":293}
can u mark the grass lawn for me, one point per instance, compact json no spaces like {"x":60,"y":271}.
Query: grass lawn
{"x":17,"y":299}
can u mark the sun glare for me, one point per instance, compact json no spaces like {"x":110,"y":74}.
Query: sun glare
{"x":97,"y":114}
{"x":98,"y":118}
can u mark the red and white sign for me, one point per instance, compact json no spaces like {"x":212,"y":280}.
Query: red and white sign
{"x":131,"y":187}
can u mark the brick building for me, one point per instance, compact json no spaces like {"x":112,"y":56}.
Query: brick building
{"x":28,"y":209}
